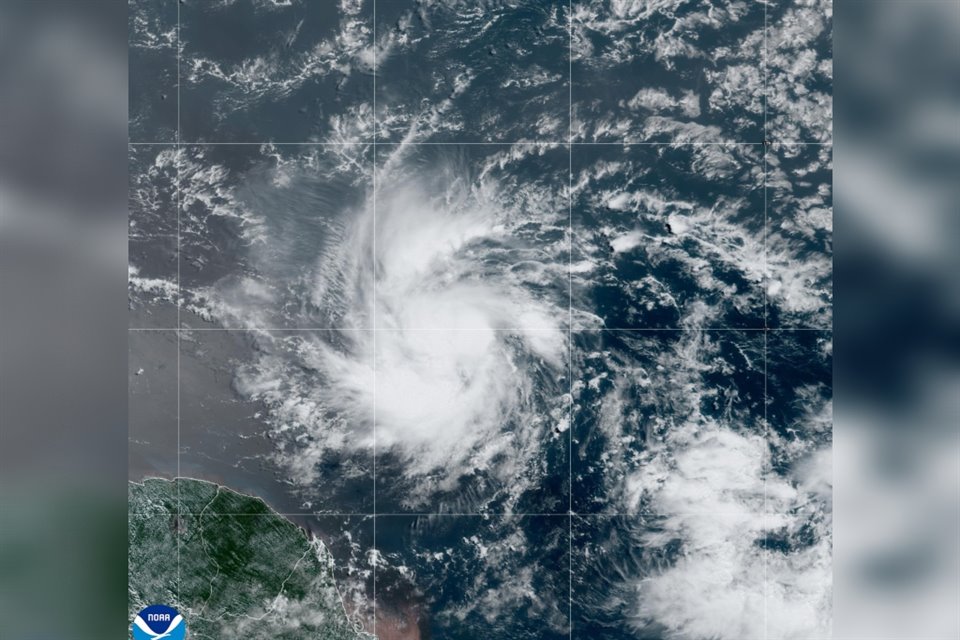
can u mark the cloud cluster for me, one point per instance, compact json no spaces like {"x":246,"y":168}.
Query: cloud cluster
{"x":446,"y":357}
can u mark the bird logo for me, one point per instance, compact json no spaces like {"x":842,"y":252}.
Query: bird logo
{"x":159,"y":622}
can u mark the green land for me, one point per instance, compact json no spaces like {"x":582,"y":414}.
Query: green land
{"x":230,"y":565}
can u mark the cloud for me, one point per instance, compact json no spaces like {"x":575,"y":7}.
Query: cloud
{"x":744,"y":570}
{"x":466,"y":361}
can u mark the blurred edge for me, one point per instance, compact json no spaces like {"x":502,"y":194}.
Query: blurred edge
{"x":63,"y":319}
{"x":897,"y":333}
{"x":63,"y":88}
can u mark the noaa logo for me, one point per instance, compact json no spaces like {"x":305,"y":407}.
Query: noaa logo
{"x":158,"y":622}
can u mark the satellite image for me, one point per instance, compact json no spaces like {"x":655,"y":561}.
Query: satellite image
{"x":470,"y":319}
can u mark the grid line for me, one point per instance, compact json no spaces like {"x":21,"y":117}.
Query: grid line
{"x":555,"y":143}
{"x":179,"y":298}
{"x":495,"y":330}
{"x":441,"y":514}
{"x":570,"y":321}
{"x":325,"y":514}
{"x":483,"y":514}
{"x":765,"y":283}
{"x":373,"y":271}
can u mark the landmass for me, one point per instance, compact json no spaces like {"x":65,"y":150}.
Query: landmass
{"x":230,"y":565}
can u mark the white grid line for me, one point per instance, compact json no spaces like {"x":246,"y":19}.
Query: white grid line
{"x":348,"y":514}
{"x":179,"y":299}
{"x":373,"y":270}
{"x":530,"y":143}
{"x":765,"y":284}
{"x":570,"y":320}
{"x":539,"y":143}
{"x":326,"y":514}
{"x":495,"y":330}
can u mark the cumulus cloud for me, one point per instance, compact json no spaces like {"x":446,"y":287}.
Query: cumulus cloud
{"x":715,"y":493}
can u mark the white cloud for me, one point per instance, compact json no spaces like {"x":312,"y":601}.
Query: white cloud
{"x":714,"y":491}
{"x":466,"y":363}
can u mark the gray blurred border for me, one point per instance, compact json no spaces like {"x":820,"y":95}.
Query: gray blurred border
{"x":897,"y":332}
{"x":63,"y":87}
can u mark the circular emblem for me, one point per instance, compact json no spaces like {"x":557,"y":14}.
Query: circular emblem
{"x":159,"y":622}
